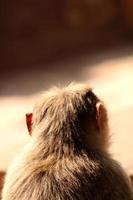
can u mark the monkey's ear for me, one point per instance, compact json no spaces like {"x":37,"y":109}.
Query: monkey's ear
{"x":101,"y":115}
{"x":29,"y":122}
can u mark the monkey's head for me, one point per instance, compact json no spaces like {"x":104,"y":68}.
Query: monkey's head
{"x":71,"y":115}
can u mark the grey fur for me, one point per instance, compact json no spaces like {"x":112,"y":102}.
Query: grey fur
{"x":67,"y":156}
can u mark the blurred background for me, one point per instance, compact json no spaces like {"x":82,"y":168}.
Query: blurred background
{"x":43,"y":43}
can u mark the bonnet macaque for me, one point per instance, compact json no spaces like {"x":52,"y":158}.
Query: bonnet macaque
{"x":67,"y":157}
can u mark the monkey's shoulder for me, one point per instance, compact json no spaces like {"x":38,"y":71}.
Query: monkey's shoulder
{"x":113,"y":181}
{"x":89,"y":179}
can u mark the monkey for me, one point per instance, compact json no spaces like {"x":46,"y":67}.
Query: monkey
{"x":67,"y":157}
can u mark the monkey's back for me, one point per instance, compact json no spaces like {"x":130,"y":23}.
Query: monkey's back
{"x":79,"y":178}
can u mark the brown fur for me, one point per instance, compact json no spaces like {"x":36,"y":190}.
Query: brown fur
{"x":131,"y":178}
{"x":67,"y":157}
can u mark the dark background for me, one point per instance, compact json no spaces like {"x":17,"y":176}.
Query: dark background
{"x":34,"y":32}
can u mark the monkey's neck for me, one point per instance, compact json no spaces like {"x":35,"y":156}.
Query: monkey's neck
{"x":65,"y":142}
{"x":64,"y":146}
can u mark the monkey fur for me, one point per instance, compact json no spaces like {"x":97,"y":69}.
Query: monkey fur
{"x":67,"y":157}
